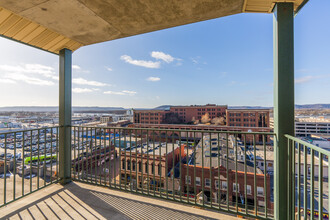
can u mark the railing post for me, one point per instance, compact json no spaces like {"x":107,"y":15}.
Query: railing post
{"x":283,"y":104}
{"x":65,"y":103}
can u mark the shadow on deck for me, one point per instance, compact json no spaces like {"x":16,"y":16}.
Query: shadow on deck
{"x":83,"y":201}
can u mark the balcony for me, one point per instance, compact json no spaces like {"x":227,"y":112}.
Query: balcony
{"x":224,"y":171}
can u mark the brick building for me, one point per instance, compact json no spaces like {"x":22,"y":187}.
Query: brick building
{"x":179,"y":114}
{"x":148,"y":167}
{"x":247,"y":117}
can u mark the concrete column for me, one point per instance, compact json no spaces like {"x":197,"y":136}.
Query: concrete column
{"x":283,"y":103}
{"x":65,"y":105}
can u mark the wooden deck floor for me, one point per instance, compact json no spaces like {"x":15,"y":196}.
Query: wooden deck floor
{"x":83,"y":201}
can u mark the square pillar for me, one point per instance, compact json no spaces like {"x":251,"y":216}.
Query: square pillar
{"x":65,"y":106}
{"x":283,"y":104}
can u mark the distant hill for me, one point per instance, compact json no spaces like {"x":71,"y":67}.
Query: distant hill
{"x":163,"y":107}
{"x":313,"y":106}
{"x":111,"y":109}
{"x":55,"y":109}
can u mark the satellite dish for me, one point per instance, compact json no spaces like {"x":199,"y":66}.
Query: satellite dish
{"x":249,"y":130}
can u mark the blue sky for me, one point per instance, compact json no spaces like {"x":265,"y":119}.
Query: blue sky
{"x":223,"y":61}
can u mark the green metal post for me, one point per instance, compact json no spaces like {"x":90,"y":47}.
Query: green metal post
{"x":283,"y":102}
{"x":65,"y":115}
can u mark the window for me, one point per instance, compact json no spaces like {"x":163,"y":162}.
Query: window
{"x":128,"y":164}
{"x":133,"y":165}
{"x":140,"y":166}
{"x":248,"y":190}
{"x":198,"y":181}
{"x":234,"y":187}
{"x":146,"y":167}
{"x":207,"y":182}
{"x":123,"y":164}
{"x":159,"y":169}
{"x":153,"y":168}
{"x":260,"y":191}
{"x":270,"y":164}
{"x":224,"y":185}
{"x":188,"y":181}
{"x":216,"y":184}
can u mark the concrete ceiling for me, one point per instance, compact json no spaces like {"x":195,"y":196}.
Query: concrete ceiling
{"x":56,"y":24}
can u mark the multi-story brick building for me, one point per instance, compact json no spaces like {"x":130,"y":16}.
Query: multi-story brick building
{"x":195,"y":112}
{"x":247,"y":117}
{"x":179,"y":114}
{"x":149,"y":116}
{"x":148,"y":166}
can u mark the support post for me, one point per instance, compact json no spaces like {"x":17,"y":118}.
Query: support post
{"x":283,"y":104}
{"x":65,"y":103}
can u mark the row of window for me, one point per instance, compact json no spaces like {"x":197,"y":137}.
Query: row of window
{"x":209,"y":109}
{"x":207,"y":183}
{"x":244,"y":114}
{"x":146,"y":167}
{"x":143,"y":118}
{"x":149,"y":113}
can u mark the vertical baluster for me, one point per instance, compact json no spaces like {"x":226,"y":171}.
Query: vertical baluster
{"x":130,"y":159}
{"x":142,"y":163}
{"x":57,"y":160}
{"x":255,"y":175}
{"x":45,"y":156}
{"x":187,"y":164}
{"x":312,"y":184}
{"x":5,"y":173}
{"x":211,"y":181}
{"x":14,"y":182}
{"x":294,"y":178}
{"x":173,"y":166}
{"x":160,"y":165}
{"x":180,"y":170}
{"x":218,"y":196}
{"x":265,"y":173}
{"x":31,"y":135}
{"x":245,"y":170}
{"x":51,"y":155}
{"x":237,"y":186}
{"x":320,"y":186}
{"x":153,"y":162}
{"x":203,"y":180}
{"x":298,"y":180}
{"x":194,"y":158}
{"x":305,"y":181}
{"x":148,"y":164}
{"x":38,"y":181}
{"x":227,"y":170}
{"x":23,"y":162}
{"x":166,"y":164}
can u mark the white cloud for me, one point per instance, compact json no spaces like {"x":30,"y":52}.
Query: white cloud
{"x":81,"y":90}
{"x":124,"y":92}
{"x":26,"y":72}
{"x":143,"y":63}
{"x":303,"y":79}
{"x":162,"y":56}
{"x":76,"y":67}
{"x":28,"y":79}
{"x":153,"y":79}
{"x":81,"y":81}
{"x":7,"y":81}
{"x":108,"y":68}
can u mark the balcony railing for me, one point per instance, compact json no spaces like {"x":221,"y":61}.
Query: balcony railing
{"x":309,"y":180}
{"x":226,"y":171}
{"x":223,"y":170}
{"x":28,"y":162}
